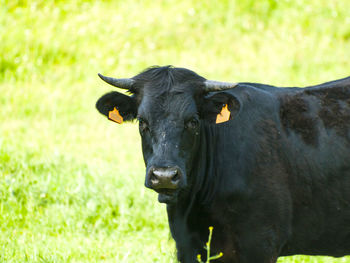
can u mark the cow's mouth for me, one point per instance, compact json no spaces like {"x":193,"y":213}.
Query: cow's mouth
{"x":166,"y":195}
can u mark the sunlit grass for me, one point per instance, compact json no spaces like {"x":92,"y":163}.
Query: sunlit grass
{"x":71,"y":183}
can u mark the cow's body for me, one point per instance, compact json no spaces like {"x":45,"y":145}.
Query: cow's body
{"x":273,"y":181}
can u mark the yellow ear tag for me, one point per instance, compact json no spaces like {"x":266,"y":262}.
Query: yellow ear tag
{"x":114,"y":115}
{"x":224,"y":115}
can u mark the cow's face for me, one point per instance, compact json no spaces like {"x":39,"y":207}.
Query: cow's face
{"x":171,"y":113}
{"x":169,"y":125}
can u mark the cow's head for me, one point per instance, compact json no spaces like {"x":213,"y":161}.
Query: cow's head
{"x":171,"y":105}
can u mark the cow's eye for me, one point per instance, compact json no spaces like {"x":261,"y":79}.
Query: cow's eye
{"x":143,"y":124}
{"x":192,"y":123}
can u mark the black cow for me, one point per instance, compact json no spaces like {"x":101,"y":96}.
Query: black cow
{"x":273,"y":178}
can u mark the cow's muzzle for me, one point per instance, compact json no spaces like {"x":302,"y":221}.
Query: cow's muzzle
{"x":164,"y":179}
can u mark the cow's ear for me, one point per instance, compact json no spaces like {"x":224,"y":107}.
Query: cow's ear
{"x":219,"y":107}
{"x":117,"y":106}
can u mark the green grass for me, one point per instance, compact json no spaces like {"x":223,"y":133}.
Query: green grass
{"x":71,"y":183}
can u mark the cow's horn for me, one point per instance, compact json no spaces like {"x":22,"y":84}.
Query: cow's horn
{"x":212,"y":85}
{"x":119,"y":83}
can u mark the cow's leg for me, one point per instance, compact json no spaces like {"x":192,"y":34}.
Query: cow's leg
{"x":261,"y":246}
{"x":188,"y":247}
{"x":254,"y":245}
{"x":258,"y":258}
{"x":186,"y":255}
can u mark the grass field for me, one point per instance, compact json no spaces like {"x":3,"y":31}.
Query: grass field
{"x":71,"y":183}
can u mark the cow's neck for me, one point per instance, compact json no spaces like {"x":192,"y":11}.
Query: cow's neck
{"x":190,"y":215}
{"x":203,"y":175}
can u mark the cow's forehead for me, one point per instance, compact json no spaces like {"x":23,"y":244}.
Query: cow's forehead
{"x":164,"y":92}
{"x":173,"y":104}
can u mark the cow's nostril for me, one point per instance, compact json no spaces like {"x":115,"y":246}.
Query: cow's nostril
{"x":176,"y":177}
{"x":154,"y":178}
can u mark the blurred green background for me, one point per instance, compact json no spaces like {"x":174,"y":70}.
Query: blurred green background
{"x":71,"y":183}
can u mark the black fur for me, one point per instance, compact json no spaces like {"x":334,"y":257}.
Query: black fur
{"x":272,"y":181}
